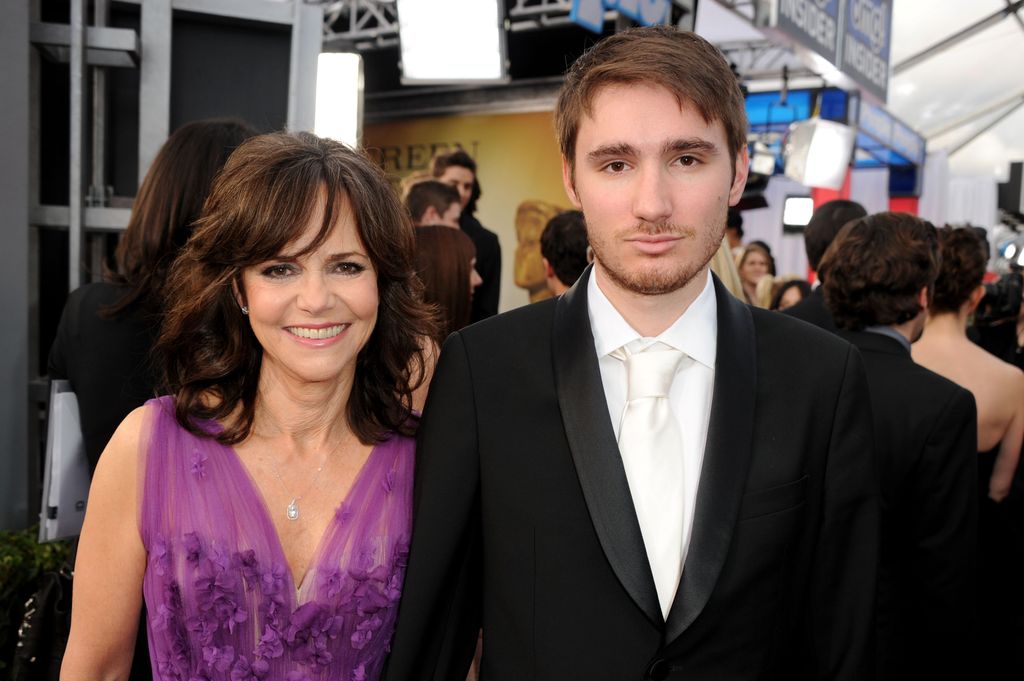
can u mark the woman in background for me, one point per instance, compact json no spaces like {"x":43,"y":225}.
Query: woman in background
{"x":446,"y":263}
{"x":263,"y":507}
{"x":108,"y":328}
{"x":788,"y":292}
{"x":753,"y":265}
{"x":998,"y":389}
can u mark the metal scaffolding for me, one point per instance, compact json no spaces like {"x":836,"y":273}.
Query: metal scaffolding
{"x":91,"y":47}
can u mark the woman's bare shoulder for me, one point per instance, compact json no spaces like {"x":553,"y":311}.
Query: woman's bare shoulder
{"x":1006,"y":377}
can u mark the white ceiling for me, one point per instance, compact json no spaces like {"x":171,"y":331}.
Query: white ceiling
{"x":973,"y":74}
{"x":982,"y":70}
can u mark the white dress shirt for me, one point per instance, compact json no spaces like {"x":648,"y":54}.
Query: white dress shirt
{"x":694,"y":333}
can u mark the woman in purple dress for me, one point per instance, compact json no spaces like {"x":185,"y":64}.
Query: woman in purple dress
{"x":263,"y":506}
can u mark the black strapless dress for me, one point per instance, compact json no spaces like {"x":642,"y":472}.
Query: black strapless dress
{"x":1000,"y":579}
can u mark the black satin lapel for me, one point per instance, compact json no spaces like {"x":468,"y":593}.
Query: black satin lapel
{"x":726,"y":461}
{"x":595,"y":451}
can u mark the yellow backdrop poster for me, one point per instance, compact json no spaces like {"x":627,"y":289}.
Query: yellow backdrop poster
{"x":519,"y":169}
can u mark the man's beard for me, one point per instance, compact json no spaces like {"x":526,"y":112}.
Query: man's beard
{"x":672,"y":273}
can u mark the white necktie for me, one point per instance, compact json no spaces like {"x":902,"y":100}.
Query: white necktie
{"x":651,"y":450}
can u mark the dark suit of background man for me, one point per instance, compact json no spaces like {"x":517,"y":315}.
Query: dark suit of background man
{"x":878,"y":275}
{"x":458,"y":169}
{"x":826,"y":222}
{"x":527,"y":517}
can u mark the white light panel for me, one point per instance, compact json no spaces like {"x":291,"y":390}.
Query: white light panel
{"x":452,"y":41}
{"x":797,"y":211}
{"x":818,"y":152}
{"x":339,"y":97}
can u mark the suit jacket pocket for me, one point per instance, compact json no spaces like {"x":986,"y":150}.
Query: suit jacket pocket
{"x":762,"y":502}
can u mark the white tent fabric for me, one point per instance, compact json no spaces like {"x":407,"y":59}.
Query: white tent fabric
{"x":965,"y":78}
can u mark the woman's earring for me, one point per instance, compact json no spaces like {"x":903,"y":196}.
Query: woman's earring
{"x":245,"y":310}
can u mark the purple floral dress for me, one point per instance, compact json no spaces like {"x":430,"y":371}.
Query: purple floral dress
{"x":221,"y":599}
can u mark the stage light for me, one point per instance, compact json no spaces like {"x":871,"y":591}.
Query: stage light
{"x":339,"y":97}
{"x":796,"y":213}
{"x":762,"y":160}
{"x":452,"y":41}
{"x":818,"y":152}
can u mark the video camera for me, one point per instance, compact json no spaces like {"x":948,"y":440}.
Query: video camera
{"x":1002,"y":301}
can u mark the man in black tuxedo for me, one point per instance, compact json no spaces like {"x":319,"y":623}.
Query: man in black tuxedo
{"x":733,"y":535}
{"x":826,"y":222}
{"x":878,"y":275}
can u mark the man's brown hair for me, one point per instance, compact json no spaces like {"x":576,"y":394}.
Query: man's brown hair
{"x":429,"y":194}
{"x":875,"y":268}
{"x":825,"y":223}
{"x":261,"y":202}
{"x":683,"y":63}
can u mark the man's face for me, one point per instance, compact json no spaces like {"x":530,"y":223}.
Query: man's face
{"x":655,"y":182}
{"x":460,"y":178}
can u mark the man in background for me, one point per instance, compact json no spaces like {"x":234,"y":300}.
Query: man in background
{"x":826,"y":222}
{"x":430,"y":202}
{"x":878,"y":278}
{"x":458,"y":169}
{"x":563,"y":246}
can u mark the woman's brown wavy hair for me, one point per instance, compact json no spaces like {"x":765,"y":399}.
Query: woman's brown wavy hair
{"x":964,"y":259}
{"x":260,"y":203}
{"x":169,"y":202}
{"x":444,"y":258}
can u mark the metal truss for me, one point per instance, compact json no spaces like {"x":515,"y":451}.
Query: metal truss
{"x":763,"y":59}
{"x":369,"y":24}
{"x":744,"y":8}
{"x":534,"y":14}
{"x":360,"y":24}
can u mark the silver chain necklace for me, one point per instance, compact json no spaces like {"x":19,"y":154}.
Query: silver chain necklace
{"x":292,"y":512}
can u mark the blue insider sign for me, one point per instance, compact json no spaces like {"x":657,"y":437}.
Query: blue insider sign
{"x":815,"y":23}
{"x":866,"y":44}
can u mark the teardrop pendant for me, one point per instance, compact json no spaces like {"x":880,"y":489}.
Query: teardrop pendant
{"x":293,"y":510}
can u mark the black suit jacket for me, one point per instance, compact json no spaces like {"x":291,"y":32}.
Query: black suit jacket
{"x":813,"y":309}
{"x":524,"y":521}
{"x":926,"y":439}
{"x":488,"y":266}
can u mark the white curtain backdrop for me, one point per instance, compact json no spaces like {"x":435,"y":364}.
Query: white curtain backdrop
{"x":973,"y":200}
{"x":933,"y":204}
{"x":870,"y":188}
{"x":765,"y":224}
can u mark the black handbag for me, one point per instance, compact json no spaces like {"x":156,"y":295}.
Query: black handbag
{"x":43,"y":634}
